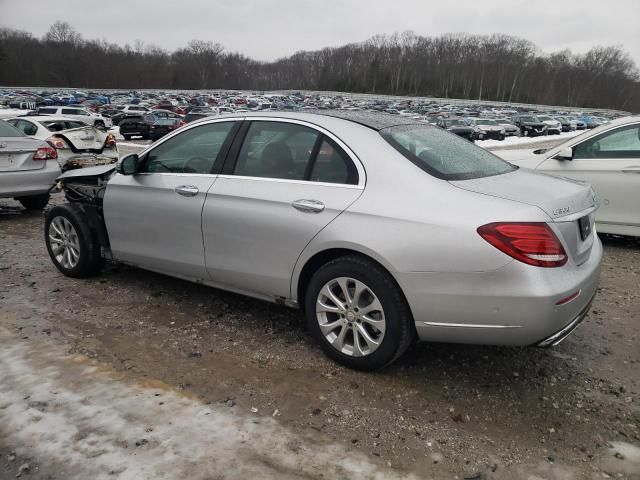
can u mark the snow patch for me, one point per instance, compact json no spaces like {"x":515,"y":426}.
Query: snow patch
{"x":68,"y":411}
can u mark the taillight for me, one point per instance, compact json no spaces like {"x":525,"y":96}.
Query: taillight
{"x":45,"y":153}
{"x":531,"y":243}
{"x":57,"y":142}
{"x":110,"y":142}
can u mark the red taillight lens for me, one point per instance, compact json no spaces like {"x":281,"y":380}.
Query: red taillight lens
{"x":531,"y":243}
{"x":45,"y":153}
{"x":110,"y":142}
{"x":57,"y":142}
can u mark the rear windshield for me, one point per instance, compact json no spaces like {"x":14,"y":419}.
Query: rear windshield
{"x":7,"y":130}
{"x":443,"y":154}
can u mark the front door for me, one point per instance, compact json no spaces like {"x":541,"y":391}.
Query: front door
{"x":288,"y":181}
{"x":610,"y":162}
{"x":154,"y":217}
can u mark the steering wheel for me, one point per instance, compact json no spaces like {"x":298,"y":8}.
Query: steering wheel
{"x":197,"y":165}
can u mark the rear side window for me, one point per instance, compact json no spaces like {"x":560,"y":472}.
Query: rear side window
{"x":47,"y":111}
{"x":443,"y":154}
{"x":7,"y":130}
{"x":332,"y":165}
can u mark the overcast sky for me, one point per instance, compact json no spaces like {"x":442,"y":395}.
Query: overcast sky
{"x":268,"y":29}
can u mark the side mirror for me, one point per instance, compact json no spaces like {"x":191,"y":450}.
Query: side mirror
{"x":128,"y":165}
{"x":565,"y":154}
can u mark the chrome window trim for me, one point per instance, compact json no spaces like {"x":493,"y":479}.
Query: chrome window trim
{"x":610,"y":129}
{"x":286,"y":180}
{"x":362,"y":177}
{"x":352,"y":156}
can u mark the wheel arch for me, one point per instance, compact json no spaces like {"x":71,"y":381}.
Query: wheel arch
{"x":306,"y":266}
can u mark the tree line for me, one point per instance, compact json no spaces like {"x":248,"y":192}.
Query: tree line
{"x":479,"y":67}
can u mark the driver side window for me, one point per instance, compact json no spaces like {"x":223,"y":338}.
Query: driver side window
{"x":193,"y":151}
{"x":620,"y":143}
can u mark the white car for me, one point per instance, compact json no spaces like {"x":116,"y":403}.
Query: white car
{"x":77,"y":144}
{"x":553,"y":126}
{"x":77,"y":113}
{"x":608,"y":157}
{"x":132,"y":108}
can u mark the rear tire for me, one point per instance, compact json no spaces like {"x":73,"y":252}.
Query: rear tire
{"x":73,"y":249}
{"x":394,"y":329}
{"x":35,"y":202}
{"x":100,"y":124}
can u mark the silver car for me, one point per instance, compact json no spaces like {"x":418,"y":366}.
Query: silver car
{"x":381,"y":229}
{"x":28,"y":168}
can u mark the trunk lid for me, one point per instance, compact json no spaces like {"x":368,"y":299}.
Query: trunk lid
{"x":84,"y":139}
{"x":564,"y":200}
{"x":16,"y":154}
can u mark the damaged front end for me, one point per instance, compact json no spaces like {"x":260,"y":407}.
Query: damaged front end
{"x":84,"y":189}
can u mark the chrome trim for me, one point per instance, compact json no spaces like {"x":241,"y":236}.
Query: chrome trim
{"x":362,"y":172}
{"x":199,"y":175}
{"x":286,"y":180}
{"x":567,"y":330}
{"x":575,"y":216}
{"x":467,"y":325}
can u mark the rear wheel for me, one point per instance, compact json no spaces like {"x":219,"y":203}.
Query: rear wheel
{"x":35,"y":202}
{"x":358,"y":313}
{"x":70,"y":243}
{"x":99,"y":124}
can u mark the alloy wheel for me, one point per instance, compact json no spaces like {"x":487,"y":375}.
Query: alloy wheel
{"x":350,"y":316}
{"x":64,"y":241}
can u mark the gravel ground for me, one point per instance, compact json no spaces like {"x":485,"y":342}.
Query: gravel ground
{"x":442,"y":411}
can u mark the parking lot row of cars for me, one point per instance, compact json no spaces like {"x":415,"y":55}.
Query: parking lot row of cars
{"x":150,"y":114}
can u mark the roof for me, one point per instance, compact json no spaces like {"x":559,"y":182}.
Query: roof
{"x":373,"y":120}
{"x":42,"y":118}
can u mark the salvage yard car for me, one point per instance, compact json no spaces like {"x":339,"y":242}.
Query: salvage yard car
{"x":89,"y":118}
{"x":382,"y":229}
{"x":529,"y":125}
{"x":608,"y":157}
{"x":149,"y":126}
{"x":77,"y":144}
{"x":28,"y":168}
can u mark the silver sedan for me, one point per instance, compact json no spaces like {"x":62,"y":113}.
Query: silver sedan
{"x":381,"y":229}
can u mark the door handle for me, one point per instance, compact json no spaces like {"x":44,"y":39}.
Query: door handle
{"x":187,"y":190}
{"x":308,"y":206}
{"x":631,"y":169}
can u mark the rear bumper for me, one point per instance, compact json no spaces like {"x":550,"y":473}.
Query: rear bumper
{"x":564,"y":332}
{"x":29,"y":182}
{"x":514,"y":305}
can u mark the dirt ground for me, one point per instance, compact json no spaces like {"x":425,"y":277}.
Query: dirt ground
{"x":442,"y":411}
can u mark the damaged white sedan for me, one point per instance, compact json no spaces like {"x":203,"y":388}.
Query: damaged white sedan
{"x":77,"y":144}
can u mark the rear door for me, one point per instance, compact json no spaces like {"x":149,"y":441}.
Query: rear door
{"x":154,"y":217}
{"x":286,"y":182}
{"x":16,"y":150}
{"x":610,"y":162}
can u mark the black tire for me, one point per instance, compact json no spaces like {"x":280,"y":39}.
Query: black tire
{"x":99,"y":124}
{"x":400,"y":328}
{"x":501,"y":137}
{"x":127,"y":137}
{"x":90,"y":260}
{"x":35,"y":202}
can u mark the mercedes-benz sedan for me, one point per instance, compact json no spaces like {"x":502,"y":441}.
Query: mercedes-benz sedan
{"x":381,"y":229}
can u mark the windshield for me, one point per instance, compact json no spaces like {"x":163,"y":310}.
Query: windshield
{"x":7,"y":130}
{"x":529,"y":119}
{"x":443,"y":154}
{"x":453,"y":122}
{"x":484,"y":121}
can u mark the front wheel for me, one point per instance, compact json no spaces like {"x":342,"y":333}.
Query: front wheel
{"x":358,"y":313}
{"x":72,"y":248}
